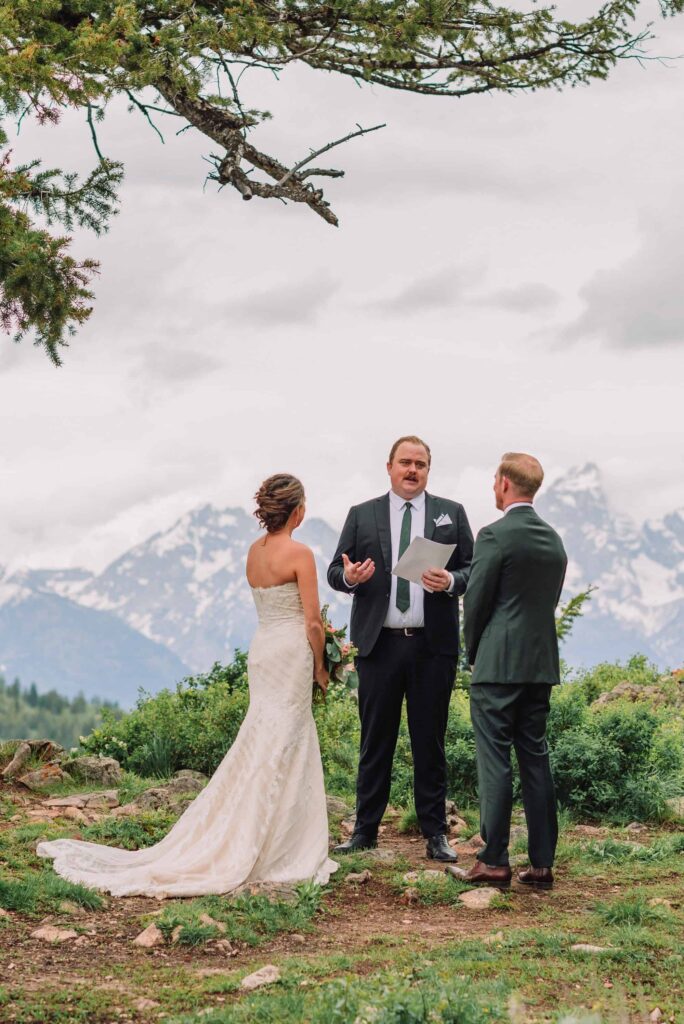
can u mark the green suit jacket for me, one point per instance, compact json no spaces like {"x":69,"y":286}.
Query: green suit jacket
{"x":515,"y":583}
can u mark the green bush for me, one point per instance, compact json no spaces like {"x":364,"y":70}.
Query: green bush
{"x":617,"y":761}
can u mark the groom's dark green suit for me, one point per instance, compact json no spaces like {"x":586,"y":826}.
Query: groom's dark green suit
{"x":516,"y":580}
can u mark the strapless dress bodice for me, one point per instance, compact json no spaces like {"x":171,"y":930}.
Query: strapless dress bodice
{"x":278,"y":604}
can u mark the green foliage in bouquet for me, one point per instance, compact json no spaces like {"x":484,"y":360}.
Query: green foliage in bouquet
{"x":339,"y":653}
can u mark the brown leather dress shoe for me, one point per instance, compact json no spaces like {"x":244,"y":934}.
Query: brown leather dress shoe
{"x":484,"y":874}
{"x":536,"y":878}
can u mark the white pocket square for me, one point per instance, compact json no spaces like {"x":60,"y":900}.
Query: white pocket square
{"x":443,"y":520}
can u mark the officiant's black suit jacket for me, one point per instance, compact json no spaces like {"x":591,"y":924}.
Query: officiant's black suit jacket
{"x":366,"y":534}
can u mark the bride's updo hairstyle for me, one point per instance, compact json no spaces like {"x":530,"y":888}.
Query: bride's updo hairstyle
{"x":276,"y":500}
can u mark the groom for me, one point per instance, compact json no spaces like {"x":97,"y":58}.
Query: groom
{"x":510,"y":633}
{"x":407,"y":637}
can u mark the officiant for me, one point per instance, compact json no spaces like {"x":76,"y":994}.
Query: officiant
{"x":407,"y":635}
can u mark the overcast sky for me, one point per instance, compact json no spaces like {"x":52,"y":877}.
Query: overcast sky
{"x":507,"y":274}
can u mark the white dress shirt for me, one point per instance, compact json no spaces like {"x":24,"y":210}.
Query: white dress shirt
{"x":413,"y":616}
{"x":518,"y":504}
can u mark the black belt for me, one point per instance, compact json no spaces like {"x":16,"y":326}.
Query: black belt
{"x":404,"y":631}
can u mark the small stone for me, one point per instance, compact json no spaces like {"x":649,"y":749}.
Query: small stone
{"x":105,"y":798}
{"x":359,"y":878}
{"x":655,"y":1015}
{"x":4,"y":913}
{"x":176,"y":933}
{"x":479,"y":899}
{"x":73,"y":814}
{"x":457,"y":826}
{"x":145,"y":1004}
{"x":490,"y":940}
{"x":82,"y":940}
{"x":381,"y":856}
{"x":224,"y":946}
{"x":67,"y":907}
{"x":589,"y":830}
{"x":336,"y":806}
{"x":150,"y":937}
{"x":264,"y":976}
{"x":299,"y":939}
{"x":211,"y":923}
{"x":586,"y":947}
{"x":48,"y":933}
{"x":410,"y":897}
{"x":660,"y":901}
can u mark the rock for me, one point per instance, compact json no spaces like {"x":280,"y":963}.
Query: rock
{"x":189,"y":773}
{"x":457,"y":826}
{"x":176,"y":933}
{"x":410,"y":896}
{"x":152,"y":936}
{"x":491,"y":940}
{"x":382,"y":856}
{"x":49,"y":933}
{"x":102,"y":800}
{"x":264,"y":976}
{"x":104,"y":770}
{"x":224,"y":946}
{"x":347,"y":825}
{"x":589,"y":830}
{"x":145,"y":1004}
{"x":586,"y":947}
{"x":456,"y":872}
{"x":73,"y":813}
{"x":67,"y":907}
{"x":175,"y":795}
{"x":518,"y":832}
{"x":4,"y":914}
{"x":77,"y":800}
{"x":45,"y":750}
{"x":359,"y":878}
{"x":211,"y":923}
{"x":655,"y":1015}
{"x":450,"y":807}
{"x":299,"y":939}
{"x":479,"y":899}
{"x":21,"y":756}
{"x":82,"y":940}
{"x":660,"y":901}
{"x":675,"y":806}
{"x":336,"y":806}
{"x":415,"y":876}
{"x":636,"y":826}
{"x":47,"y":775}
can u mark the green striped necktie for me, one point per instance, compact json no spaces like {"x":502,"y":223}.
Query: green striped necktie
{"x":403,"y":586}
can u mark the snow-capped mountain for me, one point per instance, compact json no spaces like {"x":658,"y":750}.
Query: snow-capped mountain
{"x":179,"y":601}
{"x":639,"y":573}
{"x":183,"y":590}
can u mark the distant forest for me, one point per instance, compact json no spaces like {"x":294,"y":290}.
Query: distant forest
{"x":28,"y":714}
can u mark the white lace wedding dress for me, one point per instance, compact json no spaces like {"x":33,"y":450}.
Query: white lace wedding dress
{"x":262,"y":817}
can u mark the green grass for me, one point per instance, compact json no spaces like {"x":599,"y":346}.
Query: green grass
{"x":44,"y":891}
{"x":247,"y":919}
{"x":133,"y":833}
{"x":631,"y":910}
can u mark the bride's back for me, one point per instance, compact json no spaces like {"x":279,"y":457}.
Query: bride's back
{"x":271,"y":561}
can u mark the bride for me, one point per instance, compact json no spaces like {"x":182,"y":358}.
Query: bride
{"x":262,"y":817}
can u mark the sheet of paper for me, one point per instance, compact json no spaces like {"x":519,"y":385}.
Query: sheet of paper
{"x":422,"y":554}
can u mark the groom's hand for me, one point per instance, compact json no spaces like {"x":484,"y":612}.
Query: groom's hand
{"x":436,"y":579}
{"x":357,"y":572}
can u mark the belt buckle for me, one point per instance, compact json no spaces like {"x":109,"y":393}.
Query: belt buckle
{"x":408,"y":631}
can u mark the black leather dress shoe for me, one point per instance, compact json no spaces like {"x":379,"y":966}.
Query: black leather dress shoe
{"x":437,"y":848}
{"x":358,"y":842}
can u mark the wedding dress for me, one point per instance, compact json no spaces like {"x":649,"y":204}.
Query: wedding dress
{"x":262,"y":817}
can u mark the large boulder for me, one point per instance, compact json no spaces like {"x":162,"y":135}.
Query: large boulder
{"x":103,"y":771}
{"x":626,"y":690}
{"x":46,"y":775}
{"x":25,"y":750}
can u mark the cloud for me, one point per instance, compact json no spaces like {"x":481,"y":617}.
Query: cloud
{"x":640,"y":302}
{"x":524,"y":298}
{"x":442,"y":289}
{"x":286,"y":304}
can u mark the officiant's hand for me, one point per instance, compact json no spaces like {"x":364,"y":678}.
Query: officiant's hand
{"x":436,"y":579}
{"x":357,"y":572}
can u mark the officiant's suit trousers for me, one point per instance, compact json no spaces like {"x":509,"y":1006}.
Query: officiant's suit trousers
{"x":403,"y":667}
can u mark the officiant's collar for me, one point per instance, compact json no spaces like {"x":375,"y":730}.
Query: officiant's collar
{"x":418,"y":500}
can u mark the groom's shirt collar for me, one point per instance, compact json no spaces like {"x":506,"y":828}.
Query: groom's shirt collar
{"x":398,"y":502}
{"x":518,"y":504}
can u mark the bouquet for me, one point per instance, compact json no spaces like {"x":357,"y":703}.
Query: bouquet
{"x":339,"y":655}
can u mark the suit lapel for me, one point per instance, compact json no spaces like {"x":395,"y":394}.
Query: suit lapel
{"x":431,"y":513}
{"x":382,"y":520}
